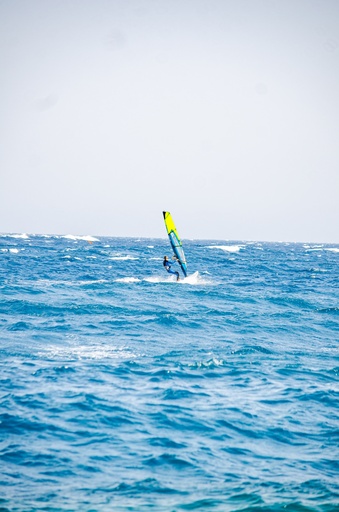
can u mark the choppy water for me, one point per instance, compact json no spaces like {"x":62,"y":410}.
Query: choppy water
{"x":123,"y":390}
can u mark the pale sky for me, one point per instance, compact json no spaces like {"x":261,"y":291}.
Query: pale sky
{"x":223,"y":112}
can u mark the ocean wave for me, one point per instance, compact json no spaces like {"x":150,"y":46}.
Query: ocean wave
{"x":123,"y":258}
{"x":331,"y":310}
{"x":11,"y":250}
{"x":86,"y":238}
{"x":227,"y":248}
{"x":22,"y":236}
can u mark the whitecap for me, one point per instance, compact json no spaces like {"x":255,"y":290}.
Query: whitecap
{"x":23,"y":235}
{"x":226,"y":248}
{"x":315,"y":247}
{"x":86,"y":238}
{"x":89,"y":238}
{"x":69,"y":237}
{"x":14,"y":251}
{"x":123,"y":258}
{"x":93,"y":281}
{"x":208,"y":364}
{"x":90,"y":352}
{"x":332,"y":249}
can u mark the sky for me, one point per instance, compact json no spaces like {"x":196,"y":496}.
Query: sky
{"x":223,"y":112}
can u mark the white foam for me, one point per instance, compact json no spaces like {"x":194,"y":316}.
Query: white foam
{"x":14,"y":251}
{"x":23,"y":235}
{"x":89,"y":238}
{"x":90,"y":352}
{"x":227,"y":248}
{"x":157,"y":279}
{"x":91,"y":282}
{"x":314,"y":247}
{"x":127,"y":280}
{"x":123,"y":258}
{"x":332,"y":249}
{"x":86,"y":238}
{"x":69,"y":237}
{"x":193,"y":279}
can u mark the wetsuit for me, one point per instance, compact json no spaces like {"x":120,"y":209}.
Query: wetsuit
{"x":167,"y":264}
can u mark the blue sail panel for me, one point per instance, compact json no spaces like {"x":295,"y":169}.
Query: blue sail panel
{"x":178,"y":251}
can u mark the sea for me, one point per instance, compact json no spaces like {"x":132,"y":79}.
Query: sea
{"x":124,"y":390}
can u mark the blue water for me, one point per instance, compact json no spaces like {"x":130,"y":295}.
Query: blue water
{"x":124,"y":390}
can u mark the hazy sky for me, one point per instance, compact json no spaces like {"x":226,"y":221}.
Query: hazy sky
{"x":223,"y":112}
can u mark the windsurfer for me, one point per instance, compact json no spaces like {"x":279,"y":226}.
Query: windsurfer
{"x":167,"y":264}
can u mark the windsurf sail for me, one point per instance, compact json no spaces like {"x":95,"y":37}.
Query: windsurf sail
{"x":175,"y":241}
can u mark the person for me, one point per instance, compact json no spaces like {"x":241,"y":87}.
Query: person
{"x":167,"y":264}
